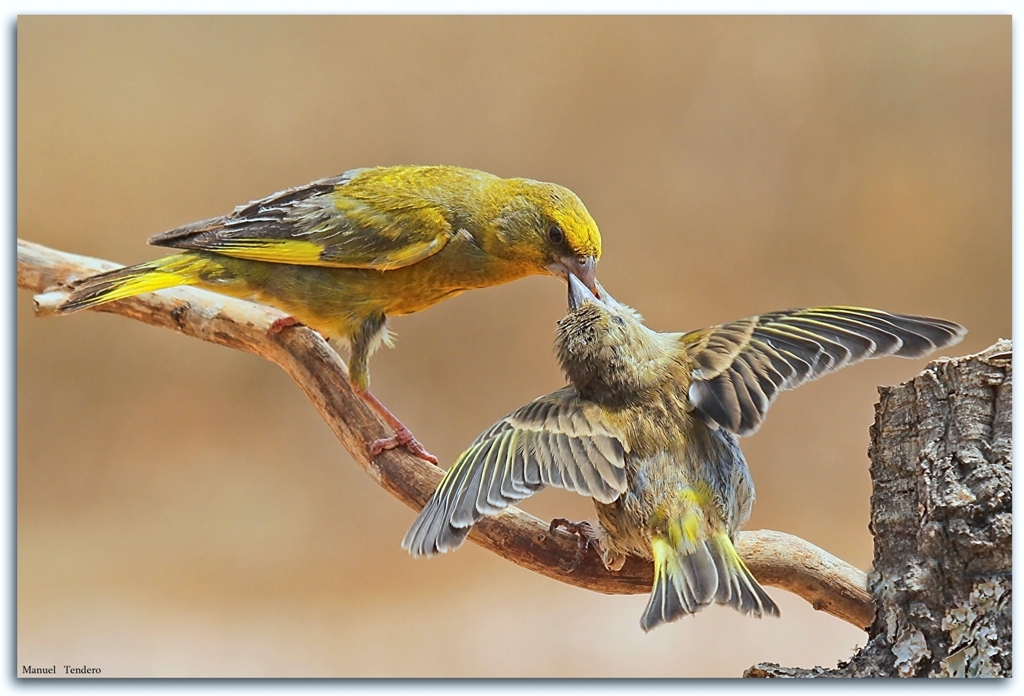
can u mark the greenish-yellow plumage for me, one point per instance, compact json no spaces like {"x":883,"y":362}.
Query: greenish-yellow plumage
{"x":343,"y":254}
{"x":648,"y":428}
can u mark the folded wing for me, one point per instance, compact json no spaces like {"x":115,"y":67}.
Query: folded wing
{"x":329,"y":222}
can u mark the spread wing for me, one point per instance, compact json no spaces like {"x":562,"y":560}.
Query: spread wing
{"x":741,"y":367}
{"x":329,"y":222}
{"x":555,"y":440}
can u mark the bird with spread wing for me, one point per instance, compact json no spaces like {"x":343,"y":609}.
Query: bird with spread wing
{"x":648,"y":427}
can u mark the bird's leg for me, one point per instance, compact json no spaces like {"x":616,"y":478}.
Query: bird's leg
{"x":362,"y":343}
{"x":403,"y":437}
{"x":585,"y":538}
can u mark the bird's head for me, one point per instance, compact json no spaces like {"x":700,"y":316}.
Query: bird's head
{"x":605,"y":349}
{"x":548,"y":227}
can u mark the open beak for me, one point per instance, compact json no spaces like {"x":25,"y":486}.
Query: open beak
{"x":584,"y":269}
{"x":579,"y":293}
{"x":605,"y":297}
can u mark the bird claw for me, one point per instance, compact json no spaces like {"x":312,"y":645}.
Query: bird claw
{"x":586,"y":537}
{"x":403,"y":437}
{"x":281,"y":324}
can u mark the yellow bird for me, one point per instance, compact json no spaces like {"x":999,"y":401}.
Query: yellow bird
{"x":648,"y":428}
{"x":343,"y":254}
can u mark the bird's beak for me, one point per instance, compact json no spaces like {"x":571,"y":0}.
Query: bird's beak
{"x":605,"y":297}
{"x":579,"y":293}
{"x":584,"y":269}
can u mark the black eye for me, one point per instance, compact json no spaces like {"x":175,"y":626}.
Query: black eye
{"x":555,"y":234}
{"x":618,"y":320}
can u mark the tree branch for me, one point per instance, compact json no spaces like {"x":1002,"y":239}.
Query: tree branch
{"x":776,"y":559}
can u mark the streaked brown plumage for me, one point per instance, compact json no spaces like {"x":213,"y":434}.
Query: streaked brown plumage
{"x":648,"y":428}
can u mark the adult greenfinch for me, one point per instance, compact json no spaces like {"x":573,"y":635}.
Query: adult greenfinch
{"x":648,"y":428}
{"x":343,"y":254}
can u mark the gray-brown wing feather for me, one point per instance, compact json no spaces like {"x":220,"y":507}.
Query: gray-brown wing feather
{"x":741,"y":367}
{"x":318,"y":224}
{"x":271,"y":217}
{"x":556,"y":440}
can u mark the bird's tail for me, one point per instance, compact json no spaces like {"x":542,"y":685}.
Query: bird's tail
{"x":691,"y":573}
{"x":168,"y":272}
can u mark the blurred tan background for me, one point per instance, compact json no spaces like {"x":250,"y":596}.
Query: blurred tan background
{"x":182,"y":510}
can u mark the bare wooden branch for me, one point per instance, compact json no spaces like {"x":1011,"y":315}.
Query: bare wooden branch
{"x":776,"y":559}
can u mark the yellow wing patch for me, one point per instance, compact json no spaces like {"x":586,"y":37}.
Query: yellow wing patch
{"x":273,"y":250}
{"x":305,"y":253}
{"x":408,"y":254}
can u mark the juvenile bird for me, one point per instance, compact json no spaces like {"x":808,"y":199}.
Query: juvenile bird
{"x":648,"y":428}
{"x":343,"y":254}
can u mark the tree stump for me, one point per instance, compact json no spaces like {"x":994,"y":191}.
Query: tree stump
{"x":941,"y":514}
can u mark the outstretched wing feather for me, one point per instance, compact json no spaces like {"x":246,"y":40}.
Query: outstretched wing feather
{"x":740,"y":368}
{"x":555,"y":440}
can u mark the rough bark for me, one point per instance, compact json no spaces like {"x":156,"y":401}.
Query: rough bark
{"x":941,"y":513}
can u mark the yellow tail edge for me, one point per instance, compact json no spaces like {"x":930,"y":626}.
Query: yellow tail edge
{"x":703,"y":571}
{"x":169,"y":272}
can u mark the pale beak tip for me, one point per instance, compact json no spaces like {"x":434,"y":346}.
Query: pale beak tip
{"x":587,"y":272}
{"x":580,"y":271}
{"x":579,"y":293}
